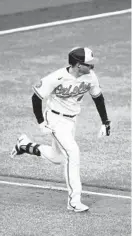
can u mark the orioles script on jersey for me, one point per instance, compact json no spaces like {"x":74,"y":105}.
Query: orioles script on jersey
{"x":71,"y":91}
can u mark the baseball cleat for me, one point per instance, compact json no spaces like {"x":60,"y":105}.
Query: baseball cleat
{"x":23,"y":140}
{"x":79,"y":207}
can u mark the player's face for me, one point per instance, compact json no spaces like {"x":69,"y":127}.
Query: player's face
{"x":85,"y":69}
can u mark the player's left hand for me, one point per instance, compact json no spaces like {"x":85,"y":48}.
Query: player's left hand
{"x":45,"y":128}
{"x":105,"y":129}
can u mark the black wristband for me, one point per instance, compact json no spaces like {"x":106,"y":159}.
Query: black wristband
{"x":37,"y":108}
{"x":100,"y":105}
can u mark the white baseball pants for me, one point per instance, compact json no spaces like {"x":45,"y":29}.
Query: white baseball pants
{"x":64,"y":148}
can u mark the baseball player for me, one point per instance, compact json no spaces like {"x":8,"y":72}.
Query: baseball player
{"x":64,"y":90}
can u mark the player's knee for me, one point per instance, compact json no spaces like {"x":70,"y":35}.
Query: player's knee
{"x":57,"y":159}
{"x":56,"y":162}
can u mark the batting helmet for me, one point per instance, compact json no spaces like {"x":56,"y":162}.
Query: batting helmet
{"x":82,"y":55}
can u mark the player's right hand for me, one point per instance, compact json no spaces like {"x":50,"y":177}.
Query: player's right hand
{"x":45,"y":128}
{"x":105,"y":129}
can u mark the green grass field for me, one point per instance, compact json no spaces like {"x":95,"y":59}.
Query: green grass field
{"x":26,"y":57}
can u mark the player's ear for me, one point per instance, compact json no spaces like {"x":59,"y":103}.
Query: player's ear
{"x":78,"y":65}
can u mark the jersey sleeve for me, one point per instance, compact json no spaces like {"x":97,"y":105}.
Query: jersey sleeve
{"x":46,"y":85}
{"x":95,"y":89}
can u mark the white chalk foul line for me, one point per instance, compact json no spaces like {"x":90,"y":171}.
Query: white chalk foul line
{"x":26,"y":185}
{"x":62,"y":22}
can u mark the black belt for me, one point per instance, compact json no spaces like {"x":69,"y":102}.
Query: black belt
{"x":58,"y":113}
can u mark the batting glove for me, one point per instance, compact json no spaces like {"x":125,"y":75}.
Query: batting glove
{"x":105,"y":129}
{"x":45,"y":128}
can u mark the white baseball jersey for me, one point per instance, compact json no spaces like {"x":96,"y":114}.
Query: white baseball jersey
{"x":64,"y":92}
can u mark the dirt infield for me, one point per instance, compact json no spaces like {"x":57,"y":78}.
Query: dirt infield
{"x":35,"y":212}
{"x":13,"y":6}
{"x":36,"y":14}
